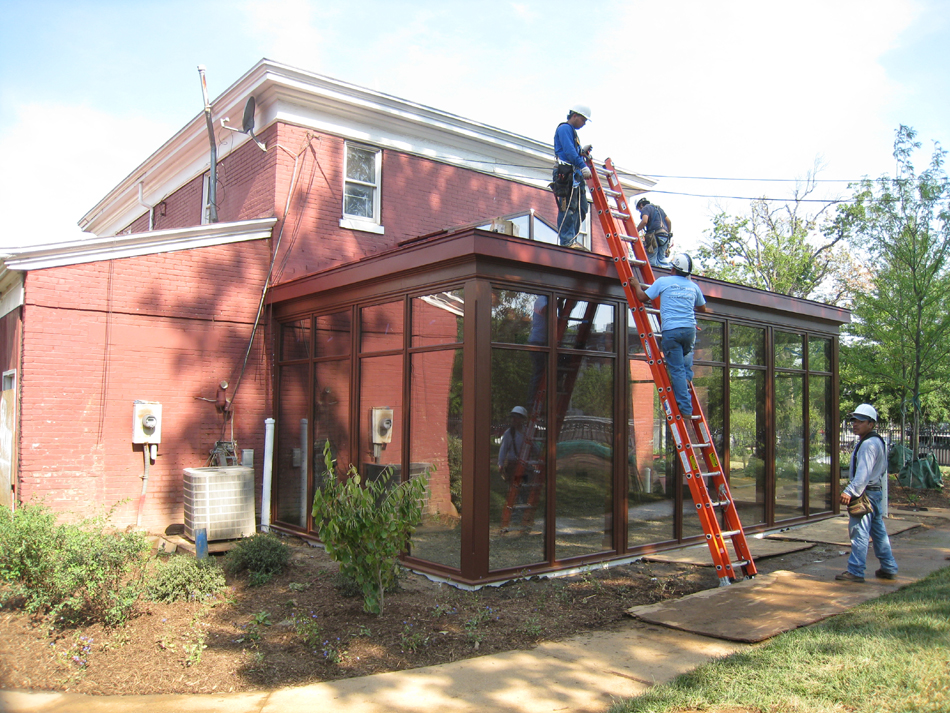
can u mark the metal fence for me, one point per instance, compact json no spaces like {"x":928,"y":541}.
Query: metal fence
{"x":934,"y":438}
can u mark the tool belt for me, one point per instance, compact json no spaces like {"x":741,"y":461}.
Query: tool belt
{"x":562,"y":180}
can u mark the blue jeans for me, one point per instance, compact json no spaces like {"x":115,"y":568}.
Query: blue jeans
{"x":569,"y":220}
{"x":872,"y":524}
{"x":677,"y":346}
{"x":658,"y":259}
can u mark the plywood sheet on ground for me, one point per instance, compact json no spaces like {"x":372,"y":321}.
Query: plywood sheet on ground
{"x":834,"y":531}
{"x":699,"y":555}
{"x":757,"y":609}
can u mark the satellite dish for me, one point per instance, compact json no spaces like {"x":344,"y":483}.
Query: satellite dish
{"x":247,"y":125}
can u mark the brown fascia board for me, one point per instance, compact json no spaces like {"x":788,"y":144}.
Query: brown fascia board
{"x":468,"y":252}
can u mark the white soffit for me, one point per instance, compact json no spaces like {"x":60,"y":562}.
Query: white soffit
{"x":288,"y":95}
{"x":135,"y":244}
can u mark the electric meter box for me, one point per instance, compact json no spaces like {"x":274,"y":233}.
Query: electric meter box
{"x":146,"y":422}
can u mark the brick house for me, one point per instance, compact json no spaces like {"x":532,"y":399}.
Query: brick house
{"x":379,"y":260}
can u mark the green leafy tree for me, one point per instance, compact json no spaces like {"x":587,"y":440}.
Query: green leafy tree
{"x":783,"y":249}
{"x":900,"y":335}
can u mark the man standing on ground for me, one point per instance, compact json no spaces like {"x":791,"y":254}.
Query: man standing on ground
{"x":570,"y":175}
{"x":680,"y":299}
{"x":659,"y":230}
{"x":868,"y":474}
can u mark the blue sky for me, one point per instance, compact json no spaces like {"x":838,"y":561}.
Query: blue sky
{"x":90,"y":88}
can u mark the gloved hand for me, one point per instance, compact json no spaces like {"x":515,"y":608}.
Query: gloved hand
{"x":585,"y":172}
{"x":586,"y":150}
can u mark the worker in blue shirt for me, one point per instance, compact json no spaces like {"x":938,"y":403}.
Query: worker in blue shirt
{"x":570,"y":175}
{"x":680,"y":299}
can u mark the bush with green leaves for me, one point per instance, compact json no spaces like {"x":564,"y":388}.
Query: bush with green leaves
{"x":71,"y":572}
{"x":262,"y":555}
{"x":184,"y":578}
{"x":365,"y":526}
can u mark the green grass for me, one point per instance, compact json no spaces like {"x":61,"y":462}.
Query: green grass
{"x":889,"y":655}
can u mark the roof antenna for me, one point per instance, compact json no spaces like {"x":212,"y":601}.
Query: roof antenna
{"x":247,"y":126}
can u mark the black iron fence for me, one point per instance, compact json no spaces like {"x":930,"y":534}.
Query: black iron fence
{"x":934,"y":438}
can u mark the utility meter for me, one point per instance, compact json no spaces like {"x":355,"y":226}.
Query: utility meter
{"x":382,"y":425}
{"x":146,"y":422}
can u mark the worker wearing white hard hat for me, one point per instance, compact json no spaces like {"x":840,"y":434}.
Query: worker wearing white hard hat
{"x":512,"y":441}
{"x":570,"y":175}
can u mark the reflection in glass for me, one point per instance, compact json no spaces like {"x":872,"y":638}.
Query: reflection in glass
{"x":381,"y":327}
{"x":746,"y":345}
{"x":651,"y":488}
{"x":708,"y":384}
{"x":436,"y":448}
{"x":333,"y":334}
{"x":331,"y":416}
{"x":789,"y":350}
{"x":747,"y":420}
{"x":518,"y":446}
{"x":820,"y":452}
{"x":295,"y":340}
{"x":708,"y":340}
{"x":438,"y":318}
{"x":380,"y":388}
{"x":789,"y":445}
{"x":291,"y":500}
{"x":819,"y":354}
{"x":358,"y":200}
{"x":518,"y":318}
{"x":584,"y":477}
{"x":590,"y":326}
{"x":360,"y":164}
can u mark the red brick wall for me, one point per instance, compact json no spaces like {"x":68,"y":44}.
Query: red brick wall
{"x":163,"y":328}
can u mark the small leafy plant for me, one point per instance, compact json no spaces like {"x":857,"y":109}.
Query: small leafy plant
{"x":262,"y":555}
{"x":184,"y":578}
{"x":308,"y":629}
{"x":365,"y":526}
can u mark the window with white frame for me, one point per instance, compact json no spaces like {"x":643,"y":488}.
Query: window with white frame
{"x":361,"y":189}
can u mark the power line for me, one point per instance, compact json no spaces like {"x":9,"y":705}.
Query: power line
{"x":757,"y":180}
{"x":757,"y":198}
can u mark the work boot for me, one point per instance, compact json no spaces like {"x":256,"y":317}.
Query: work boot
{"x":579,"y":246}
{"x":848,"y":577}
{"x":881,"y":574}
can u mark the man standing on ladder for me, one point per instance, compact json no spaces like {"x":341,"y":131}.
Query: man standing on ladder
{"x":659,"y":230}
{"x":680,"y":299}
{"x":570,"y":176}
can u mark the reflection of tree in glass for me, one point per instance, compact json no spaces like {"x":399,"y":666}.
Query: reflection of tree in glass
{"x":746,"y":345}
{"x":593,"y":391}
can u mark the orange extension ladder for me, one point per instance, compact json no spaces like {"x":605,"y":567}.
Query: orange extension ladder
{"x":694,"y":445}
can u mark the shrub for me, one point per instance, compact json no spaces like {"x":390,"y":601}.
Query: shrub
{"x":74,"y":572}
{"x":184,"y":578}
{"x":365,"y":527}
{"x":262,"y":555}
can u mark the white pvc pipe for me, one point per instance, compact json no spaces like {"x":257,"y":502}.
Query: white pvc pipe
{"x":304,"y":459}
{"x":268,"y":468}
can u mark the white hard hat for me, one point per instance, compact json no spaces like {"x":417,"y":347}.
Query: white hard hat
{"x":581,"y":109}
{"x":683,"y":263}
{"x":866,"y":412}
{"x":520,"y":410}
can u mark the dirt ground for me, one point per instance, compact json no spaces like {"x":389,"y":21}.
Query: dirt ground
{"x":300,"y":628}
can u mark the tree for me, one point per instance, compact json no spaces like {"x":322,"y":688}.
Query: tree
{"x":783,"y":249}
{"x":901,"y":329}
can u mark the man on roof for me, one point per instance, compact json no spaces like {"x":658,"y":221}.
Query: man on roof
{"x":570,"y":175}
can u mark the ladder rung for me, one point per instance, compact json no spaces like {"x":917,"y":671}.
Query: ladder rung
{"x":740,"y":563}
{"x":720,"y":503}
{"x":696,"y":446}
{"x":620,"y":215}
{"x":602,"y":170}
{"x":611,"y":192}
{"x":629,"y":238}
{"x":730,"y":533}
{"x":695,"y":417}
{"x":651,"y":310}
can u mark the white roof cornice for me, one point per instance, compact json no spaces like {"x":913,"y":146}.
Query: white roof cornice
{"x":135,"y":244}
{"x":293,"y":96}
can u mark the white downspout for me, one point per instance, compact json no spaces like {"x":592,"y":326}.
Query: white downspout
{"x":268,"y":470}
{"x":151,"y":208}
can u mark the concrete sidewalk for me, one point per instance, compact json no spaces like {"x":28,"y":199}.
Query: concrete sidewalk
{"x":582,"y":674}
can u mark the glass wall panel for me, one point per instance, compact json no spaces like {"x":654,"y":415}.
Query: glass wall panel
{"x":820,"y":452}
{"x":519,"y":318}
{"x":589,"y":325}
{"x":380,"y":398}
{"x":708,"y":385}
{"x":789,"y":445}
{"x":435,"y":447}
{"x":584,"y":476}
{"x":709,"y":340}
{"x":295,"y":340}
{"x":331,"y":415}
{"x":747,"y":421}
{"x":291,"y":501}
{"x":746,"y":345}
{"x":517,"y":476}
{"x":333,"y":334}
{"x":789,"y":350}
{"x":651,"y":490}
{"x":819,"y":354}
{"x":438,"y":318}
{"x":381,"y":327}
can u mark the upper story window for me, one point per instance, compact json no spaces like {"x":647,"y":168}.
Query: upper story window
{"x":361,"y":189}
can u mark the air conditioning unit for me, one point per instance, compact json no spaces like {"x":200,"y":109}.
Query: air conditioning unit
{"x":221,"y":500}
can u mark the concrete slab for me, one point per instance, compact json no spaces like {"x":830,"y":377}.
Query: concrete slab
{"x":928,"y":513}
{"x":834,"y":531}
{"x":699,"y":554}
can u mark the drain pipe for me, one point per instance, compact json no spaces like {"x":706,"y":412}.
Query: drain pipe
{"x":145,"y":452}
{"x":213,"y":180}
{"x":268,"y":461}
{"x":151,"y":208}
